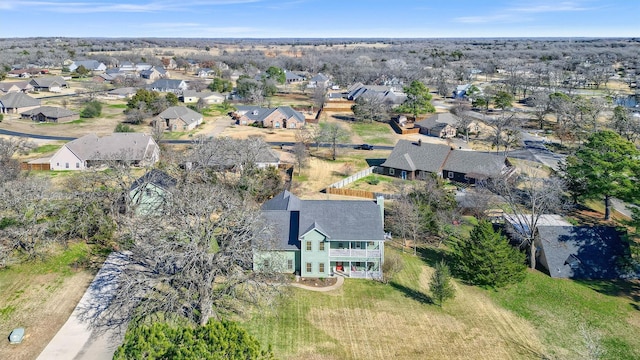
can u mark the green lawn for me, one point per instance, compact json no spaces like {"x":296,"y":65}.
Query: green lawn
{"x":117,"y":106}
{"x":560,"y":308}
{"x":539,"y":318}
{"x":45,"y":149}
{"x":374,"y":133}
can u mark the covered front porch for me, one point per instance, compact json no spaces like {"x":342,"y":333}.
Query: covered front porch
{"x":368,"y":269}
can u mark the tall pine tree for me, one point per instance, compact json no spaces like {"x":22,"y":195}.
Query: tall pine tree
{"x":441,"y":287}
{"x":487,"y":258}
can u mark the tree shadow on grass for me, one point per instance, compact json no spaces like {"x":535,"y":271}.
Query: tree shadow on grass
{"x":412,"y":293}
{"x":431,"y":255}
{"x":629,"y":289}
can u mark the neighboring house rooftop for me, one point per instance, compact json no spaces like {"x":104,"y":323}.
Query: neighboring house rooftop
{"x":48,"y":81}
{"x":475,"y":164}
{"x":18,"y":100}
{"x":91,"y":65}
{"x":411,"y":156}
{"x":441,"y":118}
{"x":117,"y":146}
{"x":156,"y":177}
{"x":19,"y":85}
{"x":582,"y":252}
{"x":181,"y":112}
{"x":50,"y":112}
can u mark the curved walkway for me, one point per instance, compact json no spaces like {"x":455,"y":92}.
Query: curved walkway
{"x":337,"y":285}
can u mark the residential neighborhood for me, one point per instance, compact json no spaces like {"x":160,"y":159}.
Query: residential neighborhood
{"x":320,"y":198}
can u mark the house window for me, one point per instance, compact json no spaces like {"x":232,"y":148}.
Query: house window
{"x":66,"y":165}
{"x":450,"y":174}
{"x":321,"y":248}
{"x":308,"y":267}
{"x":289,"y":264}
{"x":321,"y":268}
{"x":392,"y":171}
{"x":308,"y":245}
{"x":77,"y":165}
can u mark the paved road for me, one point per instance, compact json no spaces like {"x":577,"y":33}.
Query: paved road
{"x":76,"y":340}
{"x":216,"y":131}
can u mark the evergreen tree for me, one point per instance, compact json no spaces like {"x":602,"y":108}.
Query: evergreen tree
{"x":441,"y":287}
{"x":487,"y":258}
{"x":603,"y":168}
{"x":418,"y":100}
{"x":215,"y":340}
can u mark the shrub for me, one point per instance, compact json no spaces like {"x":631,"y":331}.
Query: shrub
{"x":123,"y":128}
{"x":373,"y":180}
{"x":92,"y":109}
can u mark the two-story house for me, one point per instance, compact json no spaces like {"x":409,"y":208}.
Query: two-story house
{"x":322,"y":238}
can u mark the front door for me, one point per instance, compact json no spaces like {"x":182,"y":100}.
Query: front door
{"x":403,"y":175}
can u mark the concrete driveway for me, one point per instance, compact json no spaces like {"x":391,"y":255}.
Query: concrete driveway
{"x":76,"y":340}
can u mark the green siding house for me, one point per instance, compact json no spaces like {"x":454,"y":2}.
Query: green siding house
{"x":323,"y":238}
{"x":149,"y":193}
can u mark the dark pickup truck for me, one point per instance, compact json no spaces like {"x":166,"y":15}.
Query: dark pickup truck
{"x":364,"y":147}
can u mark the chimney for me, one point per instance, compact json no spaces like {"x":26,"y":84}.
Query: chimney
{"x":380,"y":202}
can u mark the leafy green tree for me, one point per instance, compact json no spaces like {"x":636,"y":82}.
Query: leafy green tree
{"x":276,"y":74}
{"x":215,"y":340}
{"x":487,"y":258}
{"x":502,"y":100}
{"x":418,"y":100}
{"x":123,"y":128}
{"x":172,"y":99}
{"x":624,"y":123}
{"x":481,"y":102}
{"x":92,"y":109}
{"x":220,"y":85}
{"x":82,"y":71}
{"x":440,"y":286}
{"x":603,"y":167}
{"x":142,"y":95}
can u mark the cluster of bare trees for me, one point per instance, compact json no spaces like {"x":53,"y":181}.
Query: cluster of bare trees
{"x":190,"y":258}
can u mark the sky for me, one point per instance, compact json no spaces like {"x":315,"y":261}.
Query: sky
{"x":319,"y":18}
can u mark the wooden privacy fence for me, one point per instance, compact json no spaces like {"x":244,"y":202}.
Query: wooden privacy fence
{"x":400,"y":130}
{"x":35,"y":167}
{"x":351,"y":192}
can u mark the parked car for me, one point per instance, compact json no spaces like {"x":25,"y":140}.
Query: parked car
{"x":364,"y":147}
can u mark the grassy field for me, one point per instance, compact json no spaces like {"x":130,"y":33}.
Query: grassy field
{"x":539,"y":318}
{"x":374,"y":133}
{"x":40,"y":296}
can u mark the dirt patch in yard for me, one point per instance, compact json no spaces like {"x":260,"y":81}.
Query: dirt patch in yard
{"x":39,"y":303}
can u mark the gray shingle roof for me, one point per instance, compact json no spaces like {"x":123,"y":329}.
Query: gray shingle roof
{"x":473,"y":162}
{"x":410,"y":156}
{"x":50,"y":112}
{"x":338,"y":219}
{"x":48,"y":81}
{"x":167,"y":84}
{"x":156,"y":177}
{"x":18,"y":100}
{"x":180,"y":112}
{"x":283,"y":201}
{"x":117,"y":146}
{"x":582,"y":252}
{"x":437,"y":120}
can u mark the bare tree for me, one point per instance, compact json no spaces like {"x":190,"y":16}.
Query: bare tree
{"x":529,"y":198}
{"x":501,"y":124}
{"x":301,"y":155}
{"x":193,"y":265}
{"x":334,"y":134}
{"x":461,"y":111}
